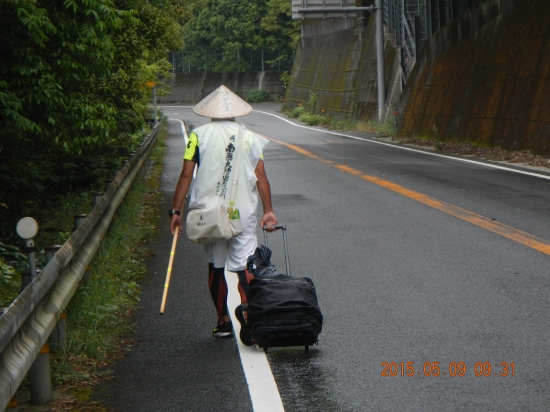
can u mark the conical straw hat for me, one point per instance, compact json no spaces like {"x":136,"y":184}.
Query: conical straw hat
{"x":222,"y":103}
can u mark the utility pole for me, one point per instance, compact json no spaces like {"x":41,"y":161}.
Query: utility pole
{"x":381,"y":75}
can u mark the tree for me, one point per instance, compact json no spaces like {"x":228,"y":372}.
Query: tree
{"x":53,"y":69}
{"x":71,"y":66}
{"x":221,"y":29}
{"x":72,"y":89}
{"x":280,"y":32}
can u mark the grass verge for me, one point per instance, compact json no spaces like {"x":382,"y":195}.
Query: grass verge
{"x":382,"y":129}
{"x":387,"y":129}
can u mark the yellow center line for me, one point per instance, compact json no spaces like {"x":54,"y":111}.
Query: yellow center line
{"x":509,"y":232}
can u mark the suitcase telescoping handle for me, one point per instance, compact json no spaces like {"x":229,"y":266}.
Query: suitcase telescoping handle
{"x":283,"y":228}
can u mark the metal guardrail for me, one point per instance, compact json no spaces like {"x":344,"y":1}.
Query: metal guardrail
{"x":30,"y":319}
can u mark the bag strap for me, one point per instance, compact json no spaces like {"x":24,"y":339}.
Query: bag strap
{"x":232,"y":192}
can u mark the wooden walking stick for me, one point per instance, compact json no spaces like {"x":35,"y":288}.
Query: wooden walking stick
{"x":169,"y":271}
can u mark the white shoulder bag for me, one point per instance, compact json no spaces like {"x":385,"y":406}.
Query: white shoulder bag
{"x":213,"y":224}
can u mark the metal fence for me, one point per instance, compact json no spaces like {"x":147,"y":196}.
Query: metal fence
{"x":412,"y":22}
{"x":28,"y":322}
{"x":213,"y":61}
{"x":324,"y":9}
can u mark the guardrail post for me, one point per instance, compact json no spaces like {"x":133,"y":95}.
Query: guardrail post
{"x":40,"y":380}
{"x":96,"y":198}
{"x":78,"y":219}
{"x":50,"y":251}
{"x":26,"y":279}
{"x":58,"y":337}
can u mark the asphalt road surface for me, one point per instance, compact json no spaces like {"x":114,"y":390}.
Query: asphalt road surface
{"x":431,"y":272}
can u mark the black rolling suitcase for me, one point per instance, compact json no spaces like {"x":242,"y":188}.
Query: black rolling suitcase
{"x":283,"y":310}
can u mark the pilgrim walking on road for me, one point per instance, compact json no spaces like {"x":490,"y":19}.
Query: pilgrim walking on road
{"x":212,"y":149}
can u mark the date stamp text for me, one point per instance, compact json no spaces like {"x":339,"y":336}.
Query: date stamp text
{"x":452,"y":369}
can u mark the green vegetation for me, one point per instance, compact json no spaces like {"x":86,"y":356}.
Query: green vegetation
{"x":219,"y":30}
{"x":310,"y":119}
{"x":296,"y":112}
{"x":257,"y":96}
{"x":12,"y":263}
{"x":98,"y":315}
{"x":312,"y":102}
{"x":73,"y":105}
{"x":55,"y":227}
{"x":386,"y":128}
{"x":73,"y":100}
{"x":285,"y":79}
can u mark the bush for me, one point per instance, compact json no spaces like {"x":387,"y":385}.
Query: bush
{"x":312,"y":100}
{"x":312,"y":119}
{"x":342,"y":124}
{"x":12,"y":262}
{"x":257,"y":96}
{"x":42,"y":173}
{"x":387,"y":127}
{"x":296,"y":112}
{"x":285,"y":79}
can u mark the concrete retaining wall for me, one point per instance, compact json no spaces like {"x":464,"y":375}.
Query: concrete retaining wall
{"x":485,"y":79}
{"x":193,"y":87}
{"x":337,"y":62}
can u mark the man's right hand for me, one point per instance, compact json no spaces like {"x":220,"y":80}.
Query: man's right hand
{"x":174,"y":223}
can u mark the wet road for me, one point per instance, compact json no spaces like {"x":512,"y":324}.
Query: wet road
{"x":424,"y":265}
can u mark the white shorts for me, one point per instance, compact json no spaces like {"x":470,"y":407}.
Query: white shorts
{"x":233,"y":252}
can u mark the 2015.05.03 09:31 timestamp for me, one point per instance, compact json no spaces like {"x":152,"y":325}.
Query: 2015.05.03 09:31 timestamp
{"x":452,"y":369}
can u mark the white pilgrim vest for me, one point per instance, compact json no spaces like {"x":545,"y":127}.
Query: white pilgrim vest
{"x":212,"y":184}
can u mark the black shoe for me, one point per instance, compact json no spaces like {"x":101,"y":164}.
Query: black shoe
{"x":244,"y":334}
{"x":225,"y":330}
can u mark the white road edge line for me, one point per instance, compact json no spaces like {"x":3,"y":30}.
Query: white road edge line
{"x":185,"y":139}
{"x":183,"y":131}
{"x":262,"y":387}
